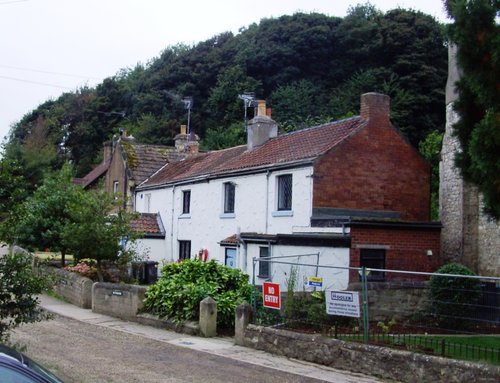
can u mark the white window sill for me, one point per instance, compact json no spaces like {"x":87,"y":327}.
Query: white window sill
{"x":185,"y":216}
{"x":227,"y":215}
{"x":282,"y":213}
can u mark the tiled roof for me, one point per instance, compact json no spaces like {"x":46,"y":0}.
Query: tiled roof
{"x":232,"y":241}
{"x":143,"y":160}
{"x":94,"y":174}
{"x":148,"y":223}
{"x":288,"y":148}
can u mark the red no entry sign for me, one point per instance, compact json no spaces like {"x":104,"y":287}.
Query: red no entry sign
{"x":272,"y":297}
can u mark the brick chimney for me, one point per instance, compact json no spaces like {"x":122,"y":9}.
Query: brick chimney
{"x":186,"y":143}
{"x":261,"y":128}
{"x":375,"y":106}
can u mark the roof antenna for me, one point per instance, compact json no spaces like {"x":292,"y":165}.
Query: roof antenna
{"x":249,"y":100}
{"x":188,"y":104}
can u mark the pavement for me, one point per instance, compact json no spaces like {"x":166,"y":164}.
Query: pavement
{"x":217,"y":346}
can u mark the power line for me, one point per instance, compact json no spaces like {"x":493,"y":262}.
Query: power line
{"x":34,"y":82}
{"x":49,"y":72}
{"x":12,"y":1}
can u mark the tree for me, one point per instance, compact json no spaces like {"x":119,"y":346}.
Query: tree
{"x":476,"y":33}
{"x":40,"y":221}
{"x":94,"y":231}
{"x":12,"y":186}
{"x":430,"y":148}
{"x":63,"y":217}
{"x":19,"y":287}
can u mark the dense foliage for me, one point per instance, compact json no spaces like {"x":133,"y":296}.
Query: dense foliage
{"x":19,"y":287}
{"x":476,"y":33}
{"x":63,"y":217}
{"x":182,"y":286}
{"x":452,"y":299}
{"x":311,"y":68}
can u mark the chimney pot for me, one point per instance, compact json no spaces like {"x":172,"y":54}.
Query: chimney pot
{"x":261,"y":108}
{"x":261,"y":128}
{"x":183,"y":129}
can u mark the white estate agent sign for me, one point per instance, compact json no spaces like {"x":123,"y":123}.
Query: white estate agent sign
{"x":343,"y":303}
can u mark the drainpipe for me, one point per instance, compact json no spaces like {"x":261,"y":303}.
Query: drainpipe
{"x":172,"y":224}
{"x":267,"y":201}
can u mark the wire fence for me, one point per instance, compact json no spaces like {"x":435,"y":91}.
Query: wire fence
{"x":450,"y":315}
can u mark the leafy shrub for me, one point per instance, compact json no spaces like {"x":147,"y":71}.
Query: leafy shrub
{"x":19,"y":287}
{"x":452,"y":299}
{"x":182,"y":286}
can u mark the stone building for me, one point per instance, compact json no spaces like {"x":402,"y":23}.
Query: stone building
{"x":468,"y":236}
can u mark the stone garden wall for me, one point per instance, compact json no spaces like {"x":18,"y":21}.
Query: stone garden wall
{"x":74,"y":288}
{"x":385,"y":363}
{"x":118,"y":299}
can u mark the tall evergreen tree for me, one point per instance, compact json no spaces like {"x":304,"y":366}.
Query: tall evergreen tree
{"x":476,"y":33}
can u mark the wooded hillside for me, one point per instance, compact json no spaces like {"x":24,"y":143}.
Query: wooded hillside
{"x":310,"y":68}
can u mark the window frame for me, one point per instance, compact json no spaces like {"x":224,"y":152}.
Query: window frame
{"x":373,"y":258}
{"x":186,"y":202}
{"x":264,"y":267}
{"x":284,"y":200}
{"x":184,"y":250}
{"x":229,"y":201}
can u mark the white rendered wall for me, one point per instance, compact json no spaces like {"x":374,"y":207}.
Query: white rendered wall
{"x":336,"y":279}
{"x":206,"y":225}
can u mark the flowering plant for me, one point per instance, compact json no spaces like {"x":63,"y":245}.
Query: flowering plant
{"x":86,"y":268}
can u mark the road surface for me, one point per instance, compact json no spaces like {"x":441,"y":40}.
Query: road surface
{"x":80,"y":352}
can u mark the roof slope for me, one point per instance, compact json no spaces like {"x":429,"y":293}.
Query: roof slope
{"x":143,"y":159}
{"x":149,"y":224}
{"x":306,"y":144}
{"x":91,"y":177}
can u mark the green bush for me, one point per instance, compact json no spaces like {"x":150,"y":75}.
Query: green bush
{"x":182,"y":286}
{"x":452,"y":299}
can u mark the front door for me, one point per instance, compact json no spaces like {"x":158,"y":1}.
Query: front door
{"x":231,"y":257}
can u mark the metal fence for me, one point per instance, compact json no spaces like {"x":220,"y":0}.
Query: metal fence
{"x":449,"y":315}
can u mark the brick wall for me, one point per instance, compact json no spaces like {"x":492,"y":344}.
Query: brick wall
{"x":375,"y":169}
{"x":405,"y":249}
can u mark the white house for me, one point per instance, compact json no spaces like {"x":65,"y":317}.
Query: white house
{"x":275,"y":197}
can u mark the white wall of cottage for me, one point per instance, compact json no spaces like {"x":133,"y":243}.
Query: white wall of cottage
{"x":333,"y":278}
{"x":206,"y":225}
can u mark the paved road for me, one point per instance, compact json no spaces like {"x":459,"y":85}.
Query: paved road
{"x":97,"y":349}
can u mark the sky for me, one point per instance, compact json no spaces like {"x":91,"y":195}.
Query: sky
{"x":48,"y":47}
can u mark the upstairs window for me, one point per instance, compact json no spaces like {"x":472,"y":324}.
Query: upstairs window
{"x":184,"y":250}
{"x":284,"y":192}
{"x":186,"y":202}
{"x":116,"y":186}
{"x":229,"y":194}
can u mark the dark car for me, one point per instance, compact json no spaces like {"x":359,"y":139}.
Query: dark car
{"x":16,"y":367}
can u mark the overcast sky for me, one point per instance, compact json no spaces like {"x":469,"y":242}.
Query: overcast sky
{"x":48,"y":47}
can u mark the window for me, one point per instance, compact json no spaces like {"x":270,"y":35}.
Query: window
{"x":230,"y":257}
{"x":285,"y":192}
{"x":229,"y":193}
{"x":263,"y":266}
{"x":116,"y":185}
{"x":186,"y":201}
{"x":373,"y":259}
{"x":184,"y":250}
